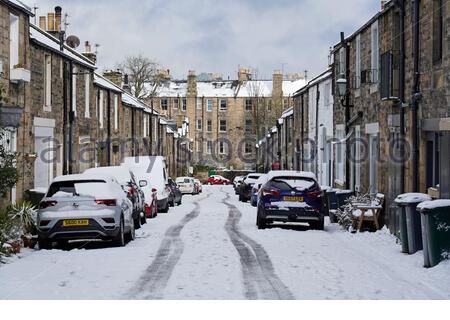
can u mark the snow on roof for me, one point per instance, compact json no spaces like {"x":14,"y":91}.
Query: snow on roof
{"x":22,"y":6}
{"x":428,"y":205}
{"x":274,"y":130}
{"x":322,"y":77}
{"x":163,"y":121}
{"x":47,"y":40}
{"x":301,"y":174}
{"x":134,"y":102}
{"x":228,"y":88}
{"x":289,"y":112}
{"x":105,"y":83}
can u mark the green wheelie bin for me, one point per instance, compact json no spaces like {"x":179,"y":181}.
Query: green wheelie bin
{"x":410,"y":222}
{"x":435,"y":231}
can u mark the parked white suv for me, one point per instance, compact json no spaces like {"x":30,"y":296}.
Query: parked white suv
{"x":186,"y":185}
{"x":86,"y":206}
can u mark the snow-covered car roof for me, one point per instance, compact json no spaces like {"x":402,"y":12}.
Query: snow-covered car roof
{"x":300,"y":174}
{"x":122,"y":174}
{"x":84,"y":176}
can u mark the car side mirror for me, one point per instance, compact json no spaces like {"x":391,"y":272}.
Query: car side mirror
{"x":154,"y":190}
{"x":142,"y":183}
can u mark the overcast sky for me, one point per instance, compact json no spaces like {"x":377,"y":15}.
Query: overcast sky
{"x":215,"y":35}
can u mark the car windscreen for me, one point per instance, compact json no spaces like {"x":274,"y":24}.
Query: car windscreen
{"x":296,"y":183}
{"x":253,"y":177}
{"x":76,"y":188}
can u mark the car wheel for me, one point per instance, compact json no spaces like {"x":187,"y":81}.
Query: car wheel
{"x":44,"y":244}
{"x":119,"y":239}
{"x":172,"y":203}
{"x":132,"y":234}
{"x":143,"y":219}
{"x":63,"y":244}
{"x":260,"y":222}
{"x":179,"y":202}
{"x":137,"y":222}
{"x":320,"y":225}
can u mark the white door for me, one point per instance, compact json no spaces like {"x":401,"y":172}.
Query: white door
{"x":43,"y":166}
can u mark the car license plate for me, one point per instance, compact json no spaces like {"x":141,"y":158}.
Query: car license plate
{"x":75,"y":223}
{"x":294,"y":199}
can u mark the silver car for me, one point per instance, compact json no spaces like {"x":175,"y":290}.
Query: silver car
{"x":86,"y":206}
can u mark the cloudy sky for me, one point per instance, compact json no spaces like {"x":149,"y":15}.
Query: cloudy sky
{"x":215,"y":35}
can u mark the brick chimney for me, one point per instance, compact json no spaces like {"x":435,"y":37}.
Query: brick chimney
{"x":277,"y":92}
{"x":115,"y":76}
{"x":53,"y":23}
{"x":88,"y":52}
{"x":126,"y":84}
{"x":192,"y":84}
{"x":244,"y":74}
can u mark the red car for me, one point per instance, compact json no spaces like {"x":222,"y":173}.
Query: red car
{"x":217,"y":180}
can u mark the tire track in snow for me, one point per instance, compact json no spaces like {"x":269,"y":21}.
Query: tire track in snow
{"x":260,"y":279}
{"x":152,"y":283}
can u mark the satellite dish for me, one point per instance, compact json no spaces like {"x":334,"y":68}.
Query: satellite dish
{"x":73,"y":41}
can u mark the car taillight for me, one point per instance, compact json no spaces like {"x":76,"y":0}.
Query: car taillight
{"x":47,"y":204}
{"x":107,"y":202}
{"x":315,"y":194}
{"x":270,"y":192}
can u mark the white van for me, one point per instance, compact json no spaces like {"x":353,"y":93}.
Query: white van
{"x":152,"y":173}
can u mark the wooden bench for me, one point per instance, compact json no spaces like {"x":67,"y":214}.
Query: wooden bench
{"x":369,"y":212}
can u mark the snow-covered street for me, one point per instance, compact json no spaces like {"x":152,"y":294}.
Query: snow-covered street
{"x":210,"y":248}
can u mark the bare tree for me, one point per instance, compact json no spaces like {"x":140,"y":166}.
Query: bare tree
{"x":141,"y":71}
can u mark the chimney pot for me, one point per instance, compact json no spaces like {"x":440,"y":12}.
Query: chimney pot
{"x":87,"y":47}
{"x":58,"y":18}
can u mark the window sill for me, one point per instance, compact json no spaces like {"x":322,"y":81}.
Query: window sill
{"x":374,"y":88}
{"x":48,"y":108}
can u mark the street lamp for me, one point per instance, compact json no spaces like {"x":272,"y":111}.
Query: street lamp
{"x":342,"y":87}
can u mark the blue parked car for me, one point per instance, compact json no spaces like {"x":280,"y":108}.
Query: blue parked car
{"x":255,"y":190}
{"x":290,"y":196}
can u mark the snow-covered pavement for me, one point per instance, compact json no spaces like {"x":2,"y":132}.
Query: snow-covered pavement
{"x":209,"y":248}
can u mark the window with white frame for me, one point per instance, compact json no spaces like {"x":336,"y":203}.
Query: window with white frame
{"x":175,"y":103}
{"x":223,"y":147}
{"x":199,"y":103}
{"x":358,"y":61}
{"x":144,"y":133}
{"x":184,"y":105}
{"x":100,"y":108}
{"x":199,"y":124}
{"x":248,"y":126}
{"x":375,"y":53}
{"x":342,"y":62}
{"x":248,"y":105}
{"x":327,"y":94}
{"x":209,"y":125}
{"x":164,"y":104}
{"x":209,"y":105}
{"x":223,"y":105}
{"x":13,"y":40}
{"x":223,"y":126}
{"x":74,"y":90}
{"x":87,"y":95}
{"x":340,"y":153}
{"x":209,"y":147}
{"x":116,"y":112}
{"x":47,"y":82}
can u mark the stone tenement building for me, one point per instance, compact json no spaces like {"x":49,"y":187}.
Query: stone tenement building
{"x":225,"y":117}
{"x":60,"y":116}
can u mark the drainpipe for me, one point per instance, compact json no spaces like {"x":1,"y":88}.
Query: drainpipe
{"x":108,"y":138}
{"x":151,"y":126}
{"x":401,"y":4}
{"x":316,"y":151}
{"x":416,"y":97}
{"x":347,"y":118}
{"x":302,"y":133}
{"x":65,"y":109}
{"x":286,"y":139}
{"x":71,"y":117}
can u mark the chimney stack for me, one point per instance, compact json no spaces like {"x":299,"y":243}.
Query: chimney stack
{"x":88,"y":52}
{"x":114,"y":76}
{"x":383,"y":4}
{"x":192,"y":84}
{"x":126,"y":84}
{"x":244,"y":74}
{"x":43,"y":23}
{"x":277,"y":92}
{"x":54,"y":20}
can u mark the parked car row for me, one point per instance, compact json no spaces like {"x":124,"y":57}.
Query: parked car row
{"x":283,"y":196}
{"x":107,"y":203}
